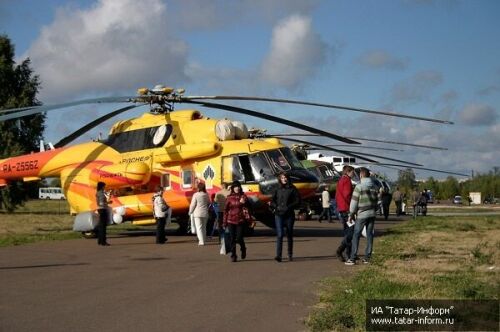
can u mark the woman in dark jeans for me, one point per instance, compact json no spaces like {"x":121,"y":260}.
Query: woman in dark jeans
{"x":235,"y":218}
{"x":285,"y":200}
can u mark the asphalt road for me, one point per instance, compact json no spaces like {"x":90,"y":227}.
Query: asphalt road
{"x":135,"y":285}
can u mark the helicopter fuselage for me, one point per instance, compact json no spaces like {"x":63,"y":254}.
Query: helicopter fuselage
{"x":175,"y":150}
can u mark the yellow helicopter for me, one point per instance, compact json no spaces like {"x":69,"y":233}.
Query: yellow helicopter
{"x":174,"y":149}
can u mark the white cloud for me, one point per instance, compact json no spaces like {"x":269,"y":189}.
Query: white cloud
{"x":115,"y":45}
{"x":380,"y":59}
{"x":478,"y":115}
{"x":296,"y":53}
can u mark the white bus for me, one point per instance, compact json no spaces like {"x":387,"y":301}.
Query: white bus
{"x":50,"y":193}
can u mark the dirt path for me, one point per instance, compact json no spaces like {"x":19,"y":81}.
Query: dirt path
{"x":135,"y":285}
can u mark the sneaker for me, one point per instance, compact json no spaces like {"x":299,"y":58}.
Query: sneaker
{"x":243,"y":254}
{"x":277,"y":259}
{"x":365,"y":261}
{"x":349,"y":262}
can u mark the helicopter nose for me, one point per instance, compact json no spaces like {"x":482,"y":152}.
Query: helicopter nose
{"x":302,"y":176}
{"x":305,"y":181}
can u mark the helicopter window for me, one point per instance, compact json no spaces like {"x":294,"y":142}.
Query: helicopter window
{"x":337,"y":160}
{"x":278,"y":160}
{"x":325,"y":171}
{"x":187,"y":178}
{"x":260,"y":166}
{"x":246,"y":169}
{"x":291,"y":158}
{"x":232,"y":170}
{"x":140,"y":139}
{"x":237,"y":170}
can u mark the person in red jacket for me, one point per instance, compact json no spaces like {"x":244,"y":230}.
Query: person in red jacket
{"x":343,"y":197}
{"x":235,"y":218}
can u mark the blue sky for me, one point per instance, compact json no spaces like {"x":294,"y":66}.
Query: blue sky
{"x":434,"y":58}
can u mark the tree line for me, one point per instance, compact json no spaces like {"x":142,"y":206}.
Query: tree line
{"x":488,"y":184}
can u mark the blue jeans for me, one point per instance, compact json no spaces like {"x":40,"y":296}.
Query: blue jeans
{"x":282,"y":222}
{"x":348,"y":232}
{"x":358,"y":228}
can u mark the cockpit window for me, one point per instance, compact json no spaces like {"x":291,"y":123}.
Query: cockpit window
{"x":278,"y":161}
{"x":246,"y":168}
{"x":291,"y":158}
{"x":326,"y":172}
{"x":260,"y":166}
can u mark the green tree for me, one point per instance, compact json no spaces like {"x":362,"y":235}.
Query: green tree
{"x":450,"y":188}
{"x":406,"y":180}
{"x":18,"y":88}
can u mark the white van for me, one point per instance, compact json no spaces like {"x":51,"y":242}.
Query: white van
{"x":51,"y":193}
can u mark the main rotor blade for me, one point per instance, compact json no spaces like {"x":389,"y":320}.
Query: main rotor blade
{"x":39,"y":109}
{"x":365,"y":147}
{"x":324,"y":147}
{"x":372,"y":140}
{"x":275,"y":119}
{"x":399,"y":143}
{"x":298,"y":102}
{"x":350,"y":153}
{"x":71,"y":137}
{"x":422,"y":168}
{"x":18,"y":109}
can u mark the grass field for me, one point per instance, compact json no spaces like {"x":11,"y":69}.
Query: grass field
{"x":43,"y":220}
{"x":429,"y":258}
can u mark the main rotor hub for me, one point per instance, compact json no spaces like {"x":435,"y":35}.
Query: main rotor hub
{"x":163,"y":98}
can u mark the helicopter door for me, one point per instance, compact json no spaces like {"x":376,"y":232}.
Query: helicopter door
{"x":237,"y":168}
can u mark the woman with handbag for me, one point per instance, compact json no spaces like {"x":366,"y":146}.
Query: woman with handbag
{"x":236,"y":215}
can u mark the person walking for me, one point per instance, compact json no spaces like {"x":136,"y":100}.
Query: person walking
{"x":398,"y":199}
{"x":325,"y":204}
{"x":198,"y":209}
{"x":343,"y":196}
{"x":102,"y":201}
{"x":362,"y":211}
{"x":386,"y":201}
{"x":161,"y":211}
{"x":235,"y":218}
{"x":415,"y":198}
{"x":285,"y":200}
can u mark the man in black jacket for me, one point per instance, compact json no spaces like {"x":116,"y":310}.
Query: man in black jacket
{"x":285,"y":200}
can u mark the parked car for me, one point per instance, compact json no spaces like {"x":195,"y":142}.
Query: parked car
{"x":457,"y":200}
{"x":490,"y":200}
